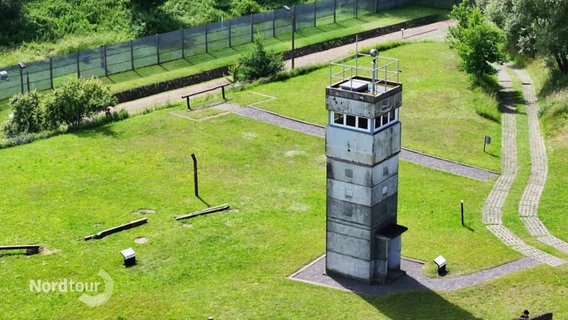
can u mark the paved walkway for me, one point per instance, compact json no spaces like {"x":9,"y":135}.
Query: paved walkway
{"x":414,"y":279}
{"x":319,"y":131}
{"x":528,"y":206}
{"x":493,"y":208}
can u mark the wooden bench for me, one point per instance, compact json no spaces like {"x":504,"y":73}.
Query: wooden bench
{"x":544,"y":316}
{"x":30,"y":249}
{"x":186,"y":97}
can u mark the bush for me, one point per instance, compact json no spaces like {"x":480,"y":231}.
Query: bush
{"x":477,"y":42}
{"x":257,"y":63}
{"x":77,"y":100}
{"x":27,"y":116}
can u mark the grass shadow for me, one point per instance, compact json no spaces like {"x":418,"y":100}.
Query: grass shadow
{"x":423,"y":304}
{"x":508,"y":100}
{"x":204,"y":202}
{"x":94,"y":132}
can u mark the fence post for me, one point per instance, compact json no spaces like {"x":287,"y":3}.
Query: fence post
{"x":158,"y":47}
{"x":132,"y":55}
{"x":273,"y":23}
{"x":104,"y":62}
{"x":334,"y":11}
{"x":183,"y":43}
{"x":251,"y":27}
{"x":356,"y":9}
{"x":78,"y":67}
{"x":376,"y":6}
{"x":206,"y":40}
{"x":315,"y":15}
{"x":229,"y":25}
{"x":51,"y":72}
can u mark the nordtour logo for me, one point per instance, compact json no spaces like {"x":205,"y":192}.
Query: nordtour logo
{"x":66,"y":285}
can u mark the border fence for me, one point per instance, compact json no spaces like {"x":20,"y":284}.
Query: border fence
{"x":181,"y":44}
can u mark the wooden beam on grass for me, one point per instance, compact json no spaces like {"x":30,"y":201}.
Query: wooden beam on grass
{"x":104,"y":233}
{"x":203,"y":212}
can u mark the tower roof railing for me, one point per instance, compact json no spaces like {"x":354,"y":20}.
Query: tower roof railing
{"x":383,"y":72}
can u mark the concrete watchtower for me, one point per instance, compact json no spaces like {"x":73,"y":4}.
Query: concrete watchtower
{"x":363,"y":135}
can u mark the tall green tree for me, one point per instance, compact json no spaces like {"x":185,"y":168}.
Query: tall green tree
{"x":477,"y":42}
{"x":11,"y":18}
{"x":534,"y":27}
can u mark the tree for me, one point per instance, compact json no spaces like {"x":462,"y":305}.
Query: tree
{"x":257,"y":63}
{"x":534,"y":27}
{"x":245,"y":7}
{"x":11,"y":17}
{"x":27,"y":116}
{"x":76,"y":100}
{"x":477,"y":42}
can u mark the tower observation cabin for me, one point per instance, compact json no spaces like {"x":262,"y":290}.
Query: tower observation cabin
{"x":363,"y":142}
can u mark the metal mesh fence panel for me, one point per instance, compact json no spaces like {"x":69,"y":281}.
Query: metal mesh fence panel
{"x":345,"y":9}
{"x":217,"y":36}
{"x":145,"y":53}
{"x":324,"y":12}
{"x":282,"y":22}
{"x":263,"y":24}
{"x":119,"y":57}
{"x":170,"y":46}
{"x":240,"y":31}
{"x":367,"y":6}
{"x":38,"y":76}
{"x":441,"y":4}
{"x":12,"y":84}
{"x":65,"y":65}
{"x":304,"y":16}
{"x":385,"y":4}
{"x":195,"y":41}
{"x":92,"y":63}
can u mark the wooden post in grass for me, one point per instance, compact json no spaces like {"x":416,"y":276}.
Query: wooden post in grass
{"x":195,"y":181}
{"x":463,"y":224}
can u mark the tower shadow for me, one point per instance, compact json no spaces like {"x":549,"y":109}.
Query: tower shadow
{"x":403,"y":298}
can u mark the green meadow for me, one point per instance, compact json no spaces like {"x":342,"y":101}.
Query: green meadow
{"x":234,"y":264}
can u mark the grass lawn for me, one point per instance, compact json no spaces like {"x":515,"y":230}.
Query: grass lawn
{"x":234,"y":264}
{"x":229,"y":264}
{"x":439,"y":106}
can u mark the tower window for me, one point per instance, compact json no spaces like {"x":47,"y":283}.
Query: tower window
{"x":363,"y":123}
{"x":338,"y":118}
{"x":349,"y":121}
{"x":386,"y":119}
